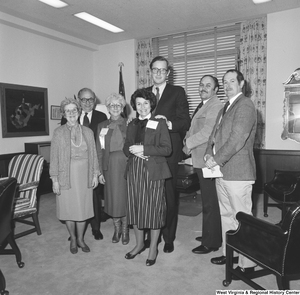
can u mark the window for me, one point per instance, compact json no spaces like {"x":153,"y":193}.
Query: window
{"x":194,"y":54}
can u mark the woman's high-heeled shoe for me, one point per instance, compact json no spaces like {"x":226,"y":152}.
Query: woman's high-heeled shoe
{"x":131,"y":256}
{"x":150,"y":262}
{"x":73,"y":248}
{"x":85,"y":248}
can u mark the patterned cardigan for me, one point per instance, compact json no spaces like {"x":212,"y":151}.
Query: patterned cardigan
{"x":61,"y":155}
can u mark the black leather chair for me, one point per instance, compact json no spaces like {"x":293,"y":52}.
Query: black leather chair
{"x":7,"y":195}
{"x":275,"y":248}
{"x":284,"y":189}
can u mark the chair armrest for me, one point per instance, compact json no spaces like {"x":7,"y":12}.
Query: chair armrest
{"x":28,"y":186}
{"x":259,"y":224}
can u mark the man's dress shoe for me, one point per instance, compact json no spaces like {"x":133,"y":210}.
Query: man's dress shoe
{"x":222,"y":260}
{"x":199,"y":239}
{"x":169,"y":247}
{"x":203,"y":249}
{"x":97,"y":234}
{"x":242,"y":271}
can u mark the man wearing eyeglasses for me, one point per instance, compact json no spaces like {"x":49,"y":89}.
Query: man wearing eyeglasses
{"x":173,"y":107}
{"x":91,"y":118}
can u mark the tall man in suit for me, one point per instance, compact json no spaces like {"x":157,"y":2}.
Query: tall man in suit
{"x":231,"y":147}
{"x":91,"y":118}
{"x":172,"y":106}
{"x":196,"y":139}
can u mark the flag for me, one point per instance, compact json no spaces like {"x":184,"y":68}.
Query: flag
{"x":122,"y":90}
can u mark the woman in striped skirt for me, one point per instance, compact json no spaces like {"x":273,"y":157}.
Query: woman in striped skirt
{"x":146,"y":145}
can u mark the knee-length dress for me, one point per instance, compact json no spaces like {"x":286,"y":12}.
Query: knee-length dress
{"x":112,"y":161}
{"x":115,"y":189}
{"x":146,"y":198}
{"x":76,"y":203}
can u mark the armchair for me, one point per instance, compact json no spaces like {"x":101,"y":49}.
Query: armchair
{"x":27,"y":170}
{"x":274,"y":248}
{"x":7,"y":195}
{"x":284,"y":189}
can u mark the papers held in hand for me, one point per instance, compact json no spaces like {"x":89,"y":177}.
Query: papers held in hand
{"x":212,"y":173}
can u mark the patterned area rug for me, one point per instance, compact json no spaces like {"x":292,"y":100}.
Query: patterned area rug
{"x":190,"y":204}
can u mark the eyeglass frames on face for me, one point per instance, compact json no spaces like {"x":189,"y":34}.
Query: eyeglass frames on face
{"x":160,"y":71}
{"x":71,"y":112}
{"x":115,"y":106}
{"x":87,"y":100}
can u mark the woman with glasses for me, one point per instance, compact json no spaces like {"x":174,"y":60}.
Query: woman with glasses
{"x":110,"y":141}
{"x":147,"y":143}
{"x":74,"y":172}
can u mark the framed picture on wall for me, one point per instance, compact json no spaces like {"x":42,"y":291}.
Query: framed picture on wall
{"x":24,"y":110}
{"x":55,"y":113}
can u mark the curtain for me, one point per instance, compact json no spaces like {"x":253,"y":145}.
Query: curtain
{"x":253,"y":65}
{"x":144,"y":54}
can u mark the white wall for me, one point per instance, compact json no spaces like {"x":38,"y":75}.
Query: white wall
{"x":63,"y":68}
{"x":106,"y":70}
{"x":30,"y":59}
{"x":283,"y":57}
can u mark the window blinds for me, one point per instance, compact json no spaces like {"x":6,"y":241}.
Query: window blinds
{"x":194,"y":54}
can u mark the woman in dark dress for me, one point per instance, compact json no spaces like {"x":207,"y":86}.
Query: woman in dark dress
{"x":112,"y":161}
{"x":146,"y":145}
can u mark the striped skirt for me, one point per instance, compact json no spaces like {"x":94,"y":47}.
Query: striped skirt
{"x":146,"y":198}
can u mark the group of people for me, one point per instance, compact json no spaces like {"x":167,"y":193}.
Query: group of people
{"x":137,"y":163}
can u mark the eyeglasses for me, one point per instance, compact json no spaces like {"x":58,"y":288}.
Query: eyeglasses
{"x":161,"y":71}
{"x":87,"y":100}
{"x":116,"y":106}
{"x":71,"y":112}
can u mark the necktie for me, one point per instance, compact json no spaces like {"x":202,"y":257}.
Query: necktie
{"x":86,"y":121}
{"x":157,"y":94}
{"x":225,"y":108}
{"x":197,"y":108}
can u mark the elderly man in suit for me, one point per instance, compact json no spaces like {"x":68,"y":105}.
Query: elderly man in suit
{"x":196,"y":139}
{"x":91,"y":118}
{"x":173,"y":107}
{"x":231,"y":147}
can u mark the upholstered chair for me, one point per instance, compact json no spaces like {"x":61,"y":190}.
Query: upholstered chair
{"x":27,"y":169}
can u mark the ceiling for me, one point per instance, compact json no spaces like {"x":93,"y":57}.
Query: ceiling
{"x":139,"y":18}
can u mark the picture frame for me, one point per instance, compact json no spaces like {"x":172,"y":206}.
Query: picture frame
{"x":55,"y":113}
{"x":24,"y":110}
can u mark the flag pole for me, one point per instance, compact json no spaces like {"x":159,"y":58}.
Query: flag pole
{"x":122,"y":87}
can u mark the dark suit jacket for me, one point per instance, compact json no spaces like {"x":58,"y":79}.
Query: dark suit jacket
{"x":157,"y":145}
{"x":97,"y":117}
{"x":233,"y":139}
{"x":174,"y":106}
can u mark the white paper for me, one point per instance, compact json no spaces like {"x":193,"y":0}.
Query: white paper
{"x":152,"y":124}
{"x":212,"y":173}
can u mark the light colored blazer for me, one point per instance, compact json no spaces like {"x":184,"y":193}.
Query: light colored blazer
{"x":60,"y":156}
{"x":233,"y":140}
{"x":157,"y":145}
{"x":201,"y":127}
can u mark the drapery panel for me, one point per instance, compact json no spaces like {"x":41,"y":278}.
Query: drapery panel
{"x":144,"y":56}
{"x":253,"y":65}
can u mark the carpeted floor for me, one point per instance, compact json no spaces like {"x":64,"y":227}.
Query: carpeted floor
{"x":50,"y":269}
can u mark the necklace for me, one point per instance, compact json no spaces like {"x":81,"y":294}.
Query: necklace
{"x":80,"y":138}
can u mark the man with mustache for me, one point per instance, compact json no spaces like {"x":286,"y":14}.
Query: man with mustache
{"x":231,"y":147}
{"x":195,"y":144}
